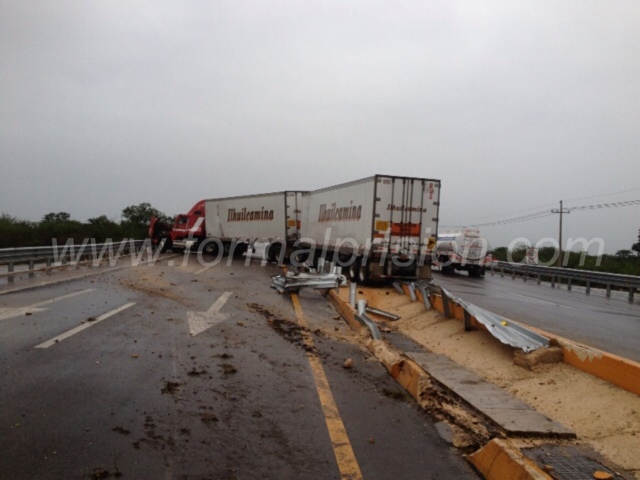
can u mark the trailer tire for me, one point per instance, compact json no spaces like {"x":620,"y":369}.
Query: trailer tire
{"x":274,"y":251}
{"x":211,"y":248}
{"x":239,"y":249}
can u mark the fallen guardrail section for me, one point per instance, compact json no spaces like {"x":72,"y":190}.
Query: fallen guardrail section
{"x":294,"y":281}
{"x":500,"y":327}
{"x":503,"y":329}
{"x":571,"y":276}
{"x":621,"y":372}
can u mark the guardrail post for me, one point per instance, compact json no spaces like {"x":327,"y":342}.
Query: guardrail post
{"x":467,"y":321}
{"x":588,"y":289}
{"x":445,"y":304}
{"x":631,"y":290}
{"x":569,"y":284}
{"x":502,"y":272}
{"x":48,"y":269}
{"x":539,"y":279}
{"x":553,"y":281}
{"x":352,"y":294}
{"x":524,"y":277}
{"x":31,"y":267}
{"x":608,"y":290}
{"x":10,"y":270}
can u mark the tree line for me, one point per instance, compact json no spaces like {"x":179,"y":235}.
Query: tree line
{"x":59,"y":225}
{"x":623,"y":262}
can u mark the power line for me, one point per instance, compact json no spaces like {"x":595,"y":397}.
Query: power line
{"x":546,"y":205}
{"x":603,"y":195}
{"x":546,"y":213}
{"x":515,"y":211}
{"x":523,"y":218}
{"x":626,"y":203}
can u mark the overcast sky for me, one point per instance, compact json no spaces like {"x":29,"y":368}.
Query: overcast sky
{"x":514,"y":105}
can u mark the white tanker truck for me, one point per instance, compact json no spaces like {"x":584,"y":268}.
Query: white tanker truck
{"x":462,"y":250}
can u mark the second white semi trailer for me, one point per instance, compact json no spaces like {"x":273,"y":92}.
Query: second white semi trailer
{"x":379,"y":227}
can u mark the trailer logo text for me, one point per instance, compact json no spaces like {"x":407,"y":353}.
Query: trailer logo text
{"x":249,"y":216}
{"x":405,"y":208}
{"x":339,"y":214}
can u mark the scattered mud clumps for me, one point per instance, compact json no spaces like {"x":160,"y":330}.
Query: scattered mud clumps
{"x":228,"y":369}
{"x":100,"y":473}
{"x":171,"y":387}
{"x":290,"y":331}
{"x":208,"y":418}
{"x":121,"y":430}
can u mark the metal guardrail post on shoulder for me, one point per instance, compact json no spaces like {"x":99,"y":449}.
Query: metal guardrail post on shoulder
{"x":588,"y":278}
{"x":58,"y":256}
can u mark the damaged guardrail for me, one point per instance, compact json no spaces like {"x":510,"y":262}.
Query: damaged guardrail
{"x":503,"y":329}
{"x":500,"y":327}
{"x":294,"y":281}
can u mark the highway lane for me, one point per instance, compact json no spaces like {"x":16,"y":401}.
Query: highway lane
{"x":610,"y":324}
{"x":136,"y":395}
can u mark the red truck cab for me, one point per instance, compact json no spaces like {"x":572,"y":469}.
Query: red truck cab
{"x":187,"y":231}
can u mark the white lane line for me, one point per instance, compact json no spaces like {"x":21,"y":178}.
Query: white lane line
{"x":63,"y":297}
{"x":539,"y":300}
{"x":14,"y":312}
{"x":84,"y":326}
{"x":202,"y":270}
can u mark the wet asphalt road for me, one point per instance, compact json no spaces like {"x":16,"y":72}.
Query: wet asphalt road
{"x":610,"y":324}
{"x":136,"y":396}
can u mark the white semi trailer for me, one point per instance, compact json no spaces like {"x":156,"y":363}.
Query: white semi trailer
{"x":233,"y":223}
{"x":379,"y":227}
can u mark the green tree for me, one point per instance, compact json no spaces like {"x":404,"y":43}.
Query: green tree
{"x":636,"y":246}
{"x":102,"y":228}
{"x":59,"y":226}
{"x":16,"y":233}
{"x":56,"y":217}
{"x":136,"y":219}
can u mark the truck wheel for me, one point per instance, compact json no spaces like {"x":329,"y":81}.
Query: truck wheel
{"x":239,"y":249}
{"x":210,"y":248}
{"x":274,"y":251}
{"x":297,"y":259}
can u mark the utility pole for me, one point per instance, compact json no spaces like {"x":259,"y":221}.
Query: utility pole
{"x":560,"y":211}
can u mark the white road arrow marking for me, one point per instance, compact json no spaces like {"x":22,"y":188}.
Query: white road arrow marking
{"x":201,"y":321}
{"x":6,"y":313}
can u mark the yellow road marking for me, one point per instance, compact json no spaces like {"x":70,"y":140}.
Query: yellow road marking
{"x":347,"y":463}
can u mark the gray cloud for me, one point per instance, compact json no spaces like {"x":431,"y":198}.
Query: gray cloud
{"x":512,"y":104}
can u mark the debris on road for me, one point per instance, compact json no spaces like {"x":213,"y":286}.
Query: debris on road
{"x":348,"y":363}
{"x":294,"y":281}
{"x":171,"y":387}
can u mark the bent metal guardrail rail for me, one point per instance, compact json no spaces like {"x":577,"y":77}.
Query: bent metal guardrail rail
{"x":570,"y":275}
{"x":58,"y":256}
